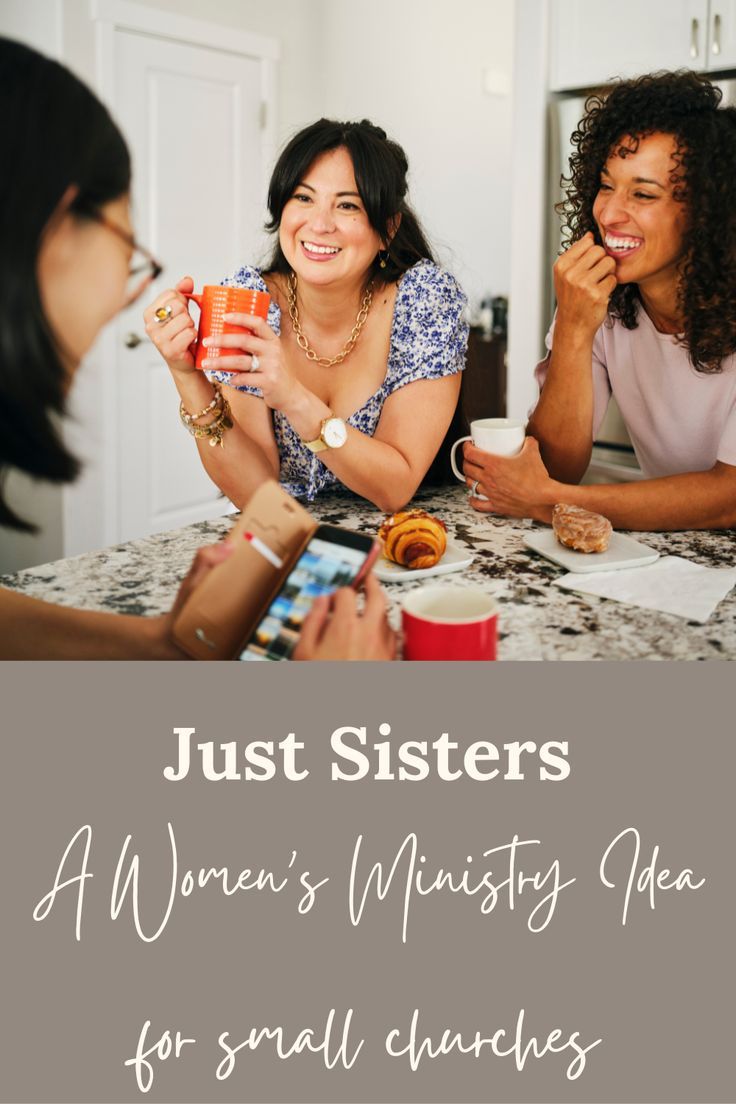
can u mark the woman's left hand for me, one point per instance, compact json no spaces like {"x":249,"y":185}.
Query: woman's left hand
{"x":257,"y":361}
{"x":515,"y":486}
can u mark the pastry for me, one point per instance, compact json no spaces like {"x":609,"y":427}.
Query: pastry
{"x":580,"y":529}
{"x":413,"y":539}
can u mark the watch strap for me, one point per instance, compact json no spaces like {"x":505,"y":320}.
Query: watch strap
{"x":319,"y":444}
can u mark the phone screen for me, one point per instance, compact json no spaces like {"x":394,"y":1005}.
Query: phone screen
{"x":332,"y":559}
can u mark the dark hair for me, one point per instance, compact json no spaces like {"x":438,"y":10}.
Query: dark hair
{"x":380,"y":173}
{"x":684,"y":105}
{"x":53,"y":133}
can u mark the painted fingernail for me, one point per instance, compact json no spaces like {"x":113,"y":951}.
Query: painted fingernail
{"x":206,"y":341}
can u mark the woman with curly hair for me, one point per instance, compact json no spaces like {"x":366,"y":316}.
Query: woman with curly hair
{"x":646,"y":312}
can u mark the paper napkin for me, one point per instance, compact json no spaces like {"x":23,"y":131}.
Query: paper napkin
{"x":672,"y":585}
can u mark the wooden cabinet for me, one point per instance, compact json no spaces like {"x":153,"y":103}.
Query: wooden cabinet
{"x":594,"y":41}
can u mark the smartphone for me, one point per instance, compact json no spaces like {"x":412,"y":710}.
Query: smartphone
{"x":333,"y":558}
{"x":216,"y":617}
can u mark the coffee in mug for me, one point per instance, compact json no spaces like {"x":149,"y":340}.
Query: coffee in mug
{"x":501,"y":436}
{"x":214,"y":302}
{"x":449,"y":623}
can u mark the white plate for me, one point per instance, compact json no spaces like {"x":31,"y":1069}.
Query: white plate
{"x":622,"y":552}
{"x":454,"y":559}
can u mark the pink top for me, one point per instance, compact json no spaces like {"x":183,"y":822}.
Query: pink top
{"x":679,"y":420}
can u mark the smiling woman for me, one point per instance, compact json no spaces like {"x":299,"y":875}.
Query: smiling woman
{"x":354,"y":378}
{"x":646,"y":312}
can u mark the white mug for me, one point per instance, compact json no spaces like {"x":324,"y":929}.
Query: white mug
{"x":501,"y":436}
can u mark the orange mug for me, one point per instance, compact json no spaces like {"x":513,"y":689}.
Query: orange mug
{"x":214,"y":302}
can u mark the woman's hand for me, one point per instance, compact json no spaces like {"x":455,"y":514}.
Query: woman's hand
{"x":280,"y":389}
{"x":160,"y":628}
{"x":516,"y":486}
{"x":175,"y":337}
{"x":333,"y":628}
{"x":584,"y":280}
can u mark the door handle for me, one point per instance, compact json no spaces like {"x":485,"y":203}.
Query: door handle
{"x":694,"y":28}
{"x":132,"y":340}
{"x":716,"y":44}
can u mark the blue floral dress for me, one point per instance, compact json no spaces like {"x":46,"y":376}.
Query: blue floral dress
{"x":429,"y":338}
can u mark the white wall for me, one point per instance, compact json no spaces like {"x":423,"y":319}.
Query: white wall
{"x":37,"y":22}
{"x":418,"y":68}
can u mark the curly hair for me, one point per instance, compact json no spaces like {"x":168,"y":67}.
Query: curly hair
{"x":686,"y":106}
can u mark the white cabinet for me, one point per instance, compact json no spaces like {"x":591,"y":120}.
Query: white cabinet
{"x":594,"y":41}
{"x":722,"y":35}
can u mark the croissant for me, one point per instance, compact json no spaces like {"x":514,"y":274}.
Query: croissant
{"x":413,"y":539}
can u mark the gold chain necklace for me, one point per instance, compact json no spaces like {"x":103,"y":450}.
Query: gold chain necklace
{"x":303,"y":343}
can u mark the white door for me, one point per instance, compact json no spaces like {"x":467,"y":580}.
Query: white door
{"x":192,"y":116}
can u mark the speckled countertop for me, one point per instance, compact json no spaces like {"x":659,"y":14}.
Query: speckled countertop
{"x":537,"y":620}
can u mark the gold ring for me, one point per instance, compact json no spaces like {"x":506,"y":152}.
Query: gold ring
{"x":163,"y":314}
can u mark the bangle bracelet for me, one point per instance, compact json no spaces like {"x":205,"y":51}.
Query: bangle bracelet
{"x":215,"y":430}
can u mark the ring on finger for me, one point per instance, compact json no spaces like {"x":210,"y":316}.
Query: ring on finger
{"x":255,"y":363}
{"x":474,"y":488}
{"x":163,"y":314}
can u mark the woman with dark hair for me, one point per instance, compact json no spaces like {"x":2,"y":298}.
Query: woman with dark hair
{"x":68,"y":264}
{"x":355,"y":377}
{"x":646,"y":312}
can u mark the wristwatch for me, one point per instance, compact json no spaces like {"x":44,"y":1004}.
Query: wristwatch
{"x":333,"y":433}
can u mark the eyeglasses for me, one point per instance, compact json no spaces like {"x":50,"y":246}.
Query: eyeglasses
{"x":144,"y":268}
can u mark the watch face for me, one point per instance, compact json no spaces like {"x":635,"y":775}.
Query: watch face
{"x":335,"y":432}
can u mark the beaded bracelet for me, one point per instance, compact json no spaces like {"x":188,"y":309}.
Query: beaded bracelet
{"x":217,"y":401}
{"x":215,"y":430}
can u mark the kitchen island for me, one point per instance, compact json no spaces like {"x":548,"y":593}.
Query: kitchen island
{"x":537,"y":620}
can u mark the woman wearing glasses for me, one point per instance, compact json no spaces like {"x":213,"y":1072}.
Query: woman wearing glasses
{"x":355,"y":377}
{"x":68,"y":264}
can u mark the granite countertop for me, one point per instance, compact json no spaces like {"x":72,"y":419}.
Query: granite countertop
{"x":537,"y":620}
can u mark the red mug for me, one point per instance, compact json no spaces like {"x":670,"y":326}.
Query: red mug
{"x":217,"y":300}
{"x":449,"y":622}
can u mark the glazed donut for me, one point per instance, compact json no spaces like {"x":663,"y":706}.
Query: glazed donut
{"x":580,"y":529}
